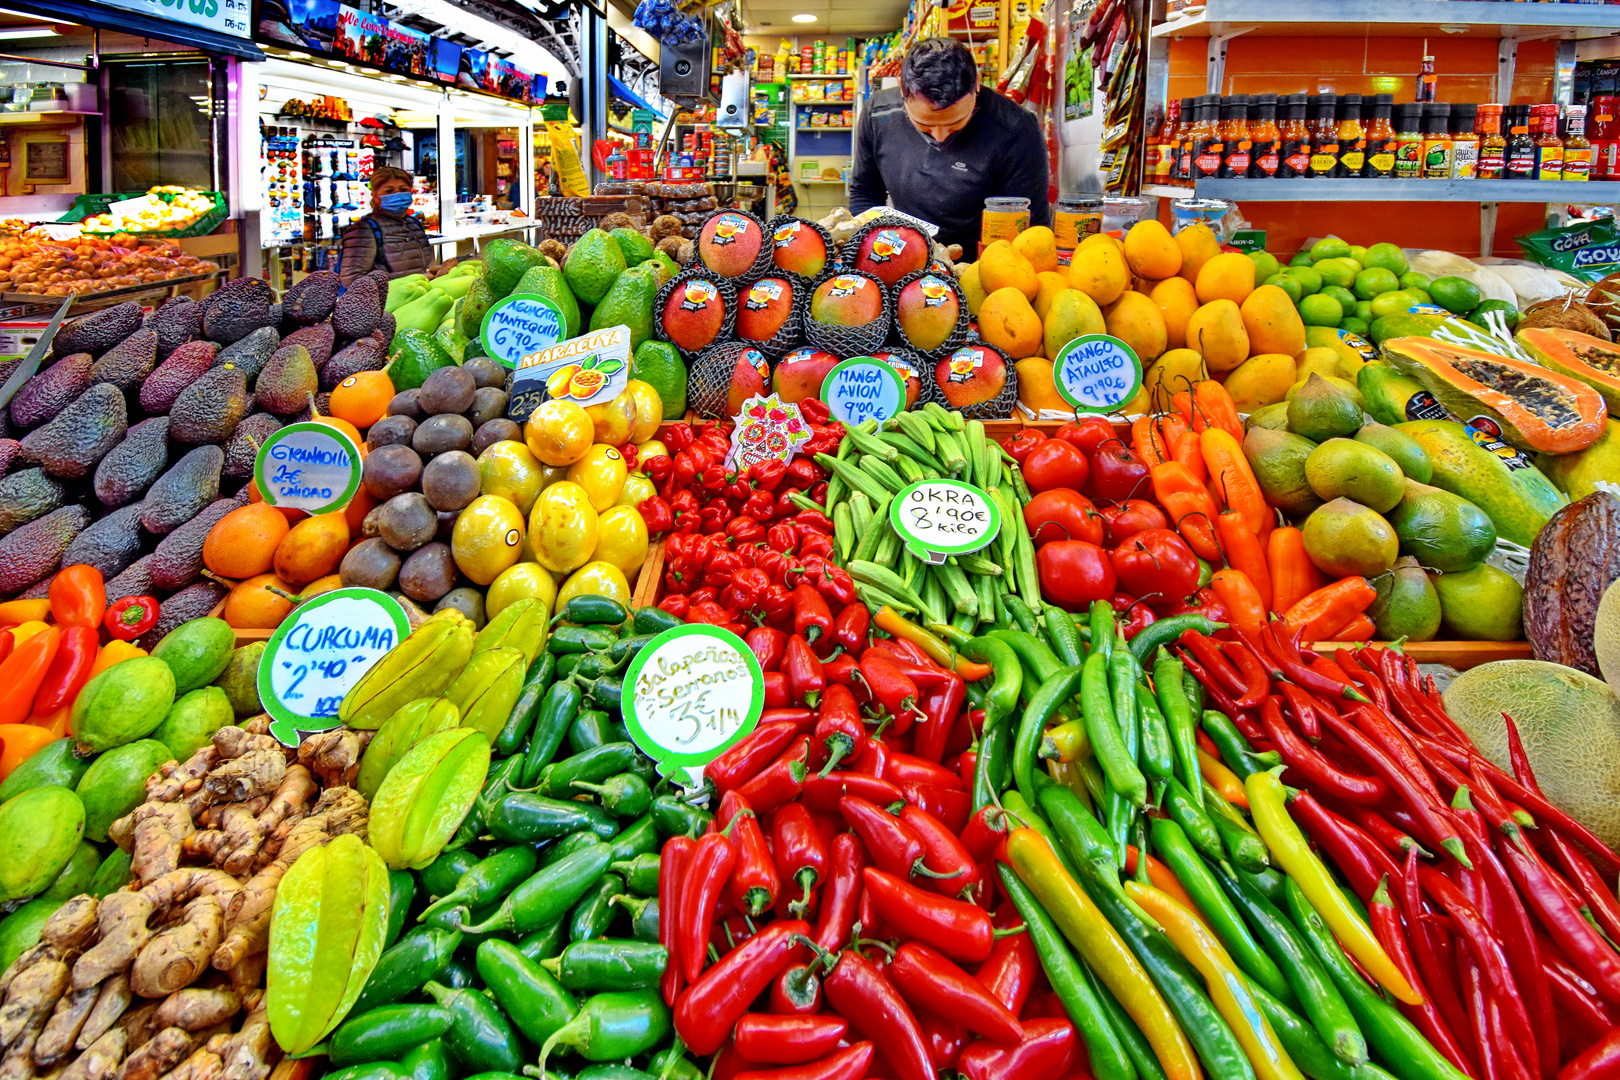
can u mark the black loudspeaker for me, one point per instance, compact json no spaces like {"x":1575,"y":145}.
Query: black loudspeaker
{"x":683,"y":71}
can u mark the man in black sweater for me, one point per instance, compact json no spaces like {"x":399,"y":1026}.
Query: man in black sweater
{"x":943,"y":143}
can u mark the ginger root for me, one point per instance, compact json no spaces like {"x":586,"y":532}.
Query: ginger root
{"x":30,"y":999}
{"x":56,"y":1041}
{"x":194,"y":1008}
{"x":245,"y":1056}
{"x":179,"y":954}
{"x":160,"y":830}
{"x":163,"y":1052}
{"x":100,"y":1061}
{"x":112,"y":999}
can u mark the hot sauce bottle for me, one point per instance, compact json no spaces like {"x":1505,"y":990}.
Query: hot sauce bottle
{"x":1549,"y":147}
{"x":1464,"y":141}
{"x":1294,"y":135}
{"x":1351,"y":135}
{"x":1380,"y":158}
{"x":1577,"y":150}
{"x":1181,"y":171}
{"x":1521,"y":149}
{"x":1235,"y":134}
{"x":1208,"y":150}
{"x":1409,"y":141}
{"x":1324,"y":126}
{"x":1264,"y":139}
{"x":1492,"y":143}
{"x":1436,"y":141}
{"x":1168,"y":146}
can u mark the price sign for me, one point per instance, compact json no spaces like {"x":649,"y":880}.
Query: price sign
{"x":938,"y":518}
{"x":692,"y":693}
{"x":588,"y":369}
{"x":519,"y":325}
{"x":319,"y":652}
{"x":309,"y":466}
{"x":1097,"y":373}
{"x":863,"y":388}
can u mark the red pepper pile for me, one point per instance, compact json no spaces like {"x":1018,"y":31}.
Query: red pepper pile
{"x":836,"y":920}
{"x":1501,"y":926}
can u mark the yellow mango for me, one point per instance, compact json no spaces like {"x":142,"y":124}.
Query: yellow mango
{"x":1071,"y":315}
{"x":1272,"y":321}
{"x":1135,"y":320}
{"x":1002,"y":267}
{"x":1216,"y":332}
{"x":972,"y":289}
{"x":1099,"y":272}
{"x":1177,"y":301}
{"x":1100,"y":240}
{"x":1035,"y":386}
{"x":1151,"y":251}
{"x":1038,"y":244}
{"x":1008,"y":322}
{"x":1260,"y":380}
{"x":1048,"y":284}
{"x":1198,"y":245}
{"x":1317,"y":361}
{"x":1227,"y":276}
{"x":1175,"y":371}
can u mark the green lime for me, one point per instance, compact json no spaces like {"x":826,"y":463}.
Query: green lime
{"x":1353,"y":324}
{"x":1388,"y":256}
{"x":1302,"y":259}
{"x":1309,"y":280}
{"x":1509,"y":312}
{"x":1329,"y":247}
{"x":1335,"y":272}
{"x":1358,"y":253}
{"x":1420,"y":296}
{"x":1289,"y":284}
{"x":1364,"y":311}
{"x":1265,"y":264}
{"x":1320,"y":310}
{"x":1346,"y":298}
{"x":1414,"y":280}
{"x":1455,"y":294}
{"x":1393,"y":303}
{"x":1374,"y":281}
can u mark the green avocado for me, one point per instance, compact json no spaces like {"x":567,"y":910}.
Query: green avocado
{"x":548,"y":281}
{"x":416,"y":356}
{"x":629,"y":301}
{"x":593,"y":263}
{"x":197,"y":652}
{"x":636,"y":248}
{"x":505,"y":263}
{"x":115,"y":783}
{"x":122,"y":704}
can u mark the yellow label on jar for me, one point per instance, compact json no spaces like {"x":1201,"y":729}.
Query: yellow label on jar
{"x":1002,"y":225}
{"x":1073,"y":226}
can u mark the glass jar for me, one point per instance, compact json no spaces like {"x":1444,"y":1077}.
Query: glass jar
{"x":1464,"y":141}
{"x":1492,"y":143}
{"x":1549,"y":145}
{"x":1207,"y":147}
{"x":1235,"y":136}
{"x":1074,"y":218}
{"x":1351,"y":135}
{"x":1521,"y":149}
{"x":1604,"y":131}
{"x":1436,"y":141}
{"x":1005,"y":216}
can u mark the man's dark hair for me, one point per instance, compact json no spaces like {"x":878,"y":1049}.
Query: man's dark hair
{"x":940,"y":70}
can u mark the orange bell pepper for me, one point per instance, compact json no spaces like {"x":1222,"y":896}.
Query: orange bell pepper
{"x":1189,"y":507}
{"x":1293,"y":575}
{"x":1148,"y":441}
{"x":19,"y":742}
{"x":13,"y":612}
{"x":1243,"y":552}
{"x":1321,"y":613}
{"x":22,"y":672}
{"x":114,"y":652}
{"x":1242,"y":599}
{"x":1230,"y":471}
{"x":1186,"y":450}
{"x":78,"y":596}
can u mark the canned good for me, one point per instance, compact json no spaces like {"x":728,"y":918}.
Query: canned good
{"x":1005,"y":216}
{"x":1212,"y":212}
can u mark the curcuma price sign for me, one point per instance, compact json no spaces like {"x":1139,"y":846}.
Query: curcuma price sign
{"x":940,"y":518}
{"x":692,"y":693}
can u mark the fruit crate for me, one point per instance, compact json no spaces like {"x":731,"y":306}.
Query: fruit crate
{"x":86,"y":205}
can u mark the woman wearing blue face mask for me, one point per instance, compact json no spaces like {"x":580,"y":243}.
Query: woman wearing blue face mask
{"x":388,"y":238}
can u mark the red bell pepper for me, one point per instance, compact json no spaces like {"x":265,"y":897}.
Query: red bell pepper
{"x":816,"y":544}
{"x":1047,"y":1052}
{"x":678,"y":436}
{"x":677,"y":604}
{"x":857,"y":989}
{"x":129,"y":618}
{"x":803,"y":670}
{"x":780,"y":781}
{"x":788,"y":1040}
{"x":701,"y":888}
{"x":656,"y":512}
{"x":811,"y":617}
{"x":960,"y":930}
{"x":754,"y":884}
{"x":69,"y":670}
{"x":800,"y":852}
{"x":673,"y":861}
{"x":929,"y":980}
{"x":706,"y":1013}
{"x":22,"y":672}
{"x":851,"y":627}
{"x":797,"y":990}
{"x":841,"y":895}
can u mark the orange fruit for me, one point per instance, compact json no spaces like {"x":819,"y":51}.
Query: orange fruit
{"x":344,"y":426}
{"x":359,"y":506}
{"x":252,"y":606}
{"x":243,"y":543}
{"x":362,"y":399}
{"x":311,"y":549}
{"x":291,"y":513}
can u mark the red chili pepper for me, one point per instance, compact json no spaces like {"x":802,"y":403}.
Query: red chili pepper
{"x":1217,"y":693}
{"x":1285,"y":651}
{"x":1428,"y":817}
{"x":768,"y":646}
{"x":891,"y":688}
{"x":941,"y":706}
{"x":129,"y":618}
{"x":1571,"y":996}
{"x":801,"y":854}
{"x":747,"y":586}
{"x":1209,"y":654}
{"x":745,"y":530}
{"x":658,"y":466}
{"x":1013,"y":968}
{"x":1386,"y":924}
{"x":1306,"y":710}
{"x":797,"y":990}
{"x":804,"y":472}
{"x":1369,"y":682}
{"x":767,"y":474}
{"x":1576,"y":938}
{"x":945,"y":1040}
{"x":841,"y":670}
{"x":841,"y":895}
{"x":1256,"y":682}
{"x":925,"y":674}
{"x":673,"y":861}
{"x":857,"y":989}
{"x":823,"y":793}
{"x":656,"y":512}
{"x":1318,"y":771}
{"x":960,"y":930}
{"x":802,"y":668}
{"x":701,"y":888}
{"x":929,"y":980}
{"x":892,"y":844}
{"x":811,"y":617}
{"x":776,"y":692}
{"x":1579,"y":869}
{"x":1047,"y":1052}
{"x":787,"y":1040}
{"x":676,"y":604}
{"x":850,"y":628}
{"x":802,"y":719}
{"x":706,"y":1013}
{"x":953,"y":869}
{"x":816,"y":544}
{"x":1431,"y":950}
{"x":1382,"y":729}
{"x":905,"y":768}
{"x":984,"y":832}
{"x":678,"y":436}
{"x":839,"y":727}
{"x":779,"y":781}
{"x":69,"y":670}
{"x":1361,"y":866}
{"x":1596,"y":1062}
{"x":754,"y":884}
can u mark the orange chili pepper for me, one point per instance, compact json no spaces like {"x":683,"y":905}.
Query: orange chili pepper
{"x":1181,"y":402}
{"x":1229,"y":469}
{"x":78,"y":596}
{"x":19,"y":742}
{"x":22,"y":672}
{"x":1147,"y":441}
{"x":1359,"y":628}
{"x":1243,"y":552}
{"x":1293,"y":575}
{"x":1213,"y":407}
{"x":1242,"y":599}
{"x":1160,"y":875}
{"x":1222,"y":779}
{"x":1189,"y":507}
{"x":1320,"y":613}
{"x":1187,"y":451}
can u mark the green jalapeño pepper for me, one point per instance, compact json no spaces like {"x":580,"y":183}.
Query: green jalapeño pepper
{"x":486,"y":882}
{"x":387,"y":1032}
{"x":549,"y":894}
{"x":419,"y":956}
{"x":675,"y":817}
{"x":591,"y":609}
{"x":578,"y":639}
{"x":479,"y":1038}
{"x":595,"y":912}
{"x":440,"y":876}
{"x":614,"y":1026}
{"x":523,"y":817}
{"x":429,"y":1061}
{"x":546,"y":942}
{"x":593,"y":766}
{"x":640,"y":873}
{"x":624,"y":795}
{"x":527,"y":706}
{"x":502,"y":776}
{"x":565,"y":847}
{"x":638,"y":838}
{"x":535,"y":1001}
{"x":652,"y":620}
{"x":610,"y":964}
{"x":591,"y":729}
{"x":643,"y":915}
{"x":557,"y":712}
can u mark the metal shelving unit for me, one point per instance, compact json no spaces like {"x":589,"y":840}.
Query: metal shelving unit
{"x":1355,"y":190}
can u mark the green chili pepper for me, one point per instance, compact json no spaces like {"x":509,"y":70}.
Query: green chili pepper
{"x":591,"y":609}
{"x":1107,"y":742}
{"x":1030,"y":816}
{"x":597,"y":664}
{"x":643,"y":915}
{"x":637,"y":839}
{"x":1165,"y":631}
{"x":614,"y":1026}
{"x":480,"y":1037}
{"x":1102,"y":627}
{"x":1269,"y":883}
{"x":990,"y":768}
{"x":429,"y":1061}
{"x":1312,"y":990}
{"x":1082,"y":835}
{"x":1063,"y":635}
{"x":607,"y":692}
{"x":640,"y":873}
{"x":674,"y":817}
{"x":1157,"y":758}
{"x":459,"y":976}
{"x":612,"y":1072}
{"x":594,"y":912}
{"x":593,"y":766}
{"x":1139,"y":837}
{"x":1053,"y":692}
{"x":1172,"y":846}
{"x":671,"y":1063}
{"x":419,"y":956}
{"x":1234,"y":748}
{"x":385,"y":1032}
{"x":591,"y":729}
{"x":1178,"y":716}
{"x":1122,"y":674}
{"x":1387,"y":1031}
{"x":560,"y":849}
{"x":1109,"y":1060}
{"x":1022,"y":614}
{"x":625,"y":795}
{"x":1007,"y":676}
{"x":528,"y":993}
{"x":579,"y":639}
{"x":557,"y":712}
{"x":545,"y":942}
{"x":627,"y":647}
{"x":501,"y":776}
{"x":440,"y":876}
{"x":521,"y":719}
{"x":401,"y":893}
{"x":1195,"y":824}
{"x":486,"y":882}
{"x":1306,"y":1047}
{"x":371,"y":1070}
{"x":524,"y":817}
{"x":610,"y":964}
{"x":567,"y":665}
{"x":1242,"y":844}
{"x":1137,"y":1048}
{"x":547,"y":895}
{"x":652,"y":620}
{"x":1036,"y":656}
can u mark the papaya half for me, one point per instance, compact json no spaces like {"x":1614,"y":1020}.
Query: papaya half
{"x":1535,"y":408}
{"x":1592,"y":360}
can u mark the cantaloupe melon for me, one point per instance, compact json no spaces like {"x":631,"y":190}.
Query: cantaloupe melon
{"x":1570,"y":724}
{"x":1606,"y":635}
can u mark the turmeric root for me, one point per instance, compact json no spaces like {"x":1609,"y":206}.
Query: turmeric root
{"x":158,"y":836}
{"x":194,"y":1008}
{"x":166,"y":1049}
{"x":245,"y":1055}
{"x":101,"y":1060}
{"x":112,"y":998}
{"x":176,"y":956}
{"x":72,"y":925}
{"x":66,"y":1021}
{"x":169,"y":782}
{"x":333,"y":755}
{"x":254,"y":773}
{"x":122,"y":919}
{"x":43,"y":950}
{"x":30,"y":999}
{"x":18,"y":1061}
{"x":203,"y":1064}
{"x":137,"y":1025}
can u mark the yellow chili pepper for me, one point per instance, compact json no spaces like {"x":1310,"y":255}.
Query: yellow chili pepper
{"x":13,"y":612}
{"x":1288,"y":848}
{"x":23,"y":631}
{"x":895,"y":624}
{"x":1065,"y":742}
{"x":1100,"y":946}
{"x":1223,"y":780}
{"x":1068,"y":774}
{"x":1228,"y":989}
{"x":115,"y":652}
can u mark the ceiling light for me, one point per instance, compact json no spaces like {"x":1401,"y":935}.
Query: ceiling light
{"x":20,"y":33}
{"x":804,"y":17}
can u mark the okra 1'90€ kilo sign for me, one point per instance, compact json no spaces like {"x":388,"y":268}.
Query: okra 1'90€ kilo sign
{"x":691,"y":694}
{"x":940,"y":518}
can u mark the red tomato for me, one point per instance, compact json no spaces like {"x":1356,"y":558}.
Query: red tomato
{"x":1117,"y":474}
{"x":1074,"y":573}
{"x":1087,"y":434}
{"x":1124,"y":520}
{"x":1022,"y":443}
{"x":1134,"y":615}
{"x":1063,"y":514}
{"x":1055,"y":464}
